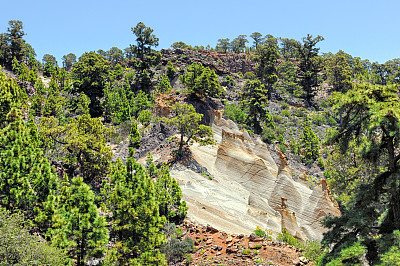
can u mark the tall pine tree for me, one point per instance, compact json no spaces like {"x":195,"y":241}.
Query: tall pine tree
{"x":131,"y":198}
{"x":371,"y":118}
{"x":78,"y":228}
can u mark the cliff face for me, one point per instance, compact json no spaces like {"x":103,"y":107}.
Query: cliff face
{"x":247,"y":188}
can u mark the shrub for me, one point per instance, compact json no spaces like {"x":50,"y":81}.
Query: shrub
{"x":144,"y":117}
{"x":259,"y":232}
{"x":277,"y":118}
{"x":176,"y":251}
{"x":235,"y":113}
{"x":19,"y":247}
{"x":230,"y":80}
{"x":284,"y":105}
{"x":286,"y":113}
{"x":249,"y":75}
{"x":170,"y":70}
{"x":164,"y":86}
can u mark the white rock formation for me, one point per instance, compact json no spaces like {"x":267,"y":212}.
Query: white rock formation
{"x":248,"y":189}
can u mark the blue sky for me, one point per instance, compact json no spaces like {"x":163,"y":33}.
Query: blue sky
{"x":367,"y":29}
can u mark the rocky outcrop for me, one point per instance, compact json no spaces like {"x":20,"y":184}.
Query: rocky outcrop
{"x":221,"y":63}
{"x":249,"y":189}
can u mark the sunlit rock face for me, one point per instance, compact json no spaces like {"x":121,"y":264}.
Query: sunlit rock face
{"x":247,"y":188}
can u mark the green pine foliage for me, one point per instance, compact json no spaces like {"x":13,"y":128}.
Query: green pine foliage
{"x":370,"y":118}
{"x":187,"y":121}
{"x":145,"y":55}
{"x":255,"y":100}
{"x":81,"y":144}
{"x":11,"y":95}
{"x":89,"y":76}
{"x":201,"y":81}
{"x":164,"y":86}
{"x":171,"y":71}
{"x":117,"y":106}
{"x":134,"y":138}
{"x":27,"y":181}
{"x":131,"y":198}
{"x":170,"y":196}
{"x":309,"y":143}
{"x":139,"y":103}
{"x":78,"y":228}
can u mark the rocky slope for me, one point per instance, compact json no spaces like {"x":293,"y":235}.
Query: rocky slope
{"x":242,"y":187}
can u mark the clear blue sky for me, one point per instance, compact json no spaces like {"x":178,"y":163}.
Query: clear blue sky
{"x":367,"y":29}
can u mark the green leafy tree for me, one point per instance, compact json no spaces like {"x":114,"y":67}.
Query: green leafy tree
{"x":115,"y":56}
{"x":139,"y":103}
{"x":201,"y":81}
{"x":223,"y":45}
{"x":187,"y":121}
{"x":147,"y":57}
{"x":131,"y":198}
{"x":117,"y":107}
{"x":287,"y":78}
{"x":309,"y":66}
{"x":255,"y":100}
{"x":170,"y":197}
{"x":19,"y":247}
{"x":12,"y":44}
{"x":370,"y":119}
{"x":266,"y":57}
{"x":171,"y":205}
{"x":257,"y":38}
{"x":78,"y":228}
{"x":89,"y":76}
{"x":345,"y":171}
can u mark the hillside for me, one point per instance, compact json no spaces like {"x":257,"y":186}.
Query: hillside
{"x":238,"y":155}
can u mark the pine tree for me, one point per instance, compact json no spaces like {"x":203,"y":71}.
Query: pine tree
{"x":309,"y":142}
{"x":187,"y":121}
{"x":310,"y":65}
{"x":134,"y":138}
{"x":170,"y":196}
{"x":254,"y":98}
{"x":78,"y":228}
{"x":27,"y":181}
{"x":267,"y":56}
{"x":131,"y":197}
{"x":371,"y":118}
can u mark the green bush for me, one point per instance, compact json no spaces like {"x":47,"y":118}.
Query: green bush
{"x":277,"y":118}
{"x":230,"y":80}
{"x":284,"y":105}
{"x":259,"y":232}
{"x":249,"y":75}
{"x":164,"y":86}
{"x":144,"y":117}
{"x":19,"y":247}
{"x":286,"y":113}
{"x":176,"y":251}
{"x":235,"y":113}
